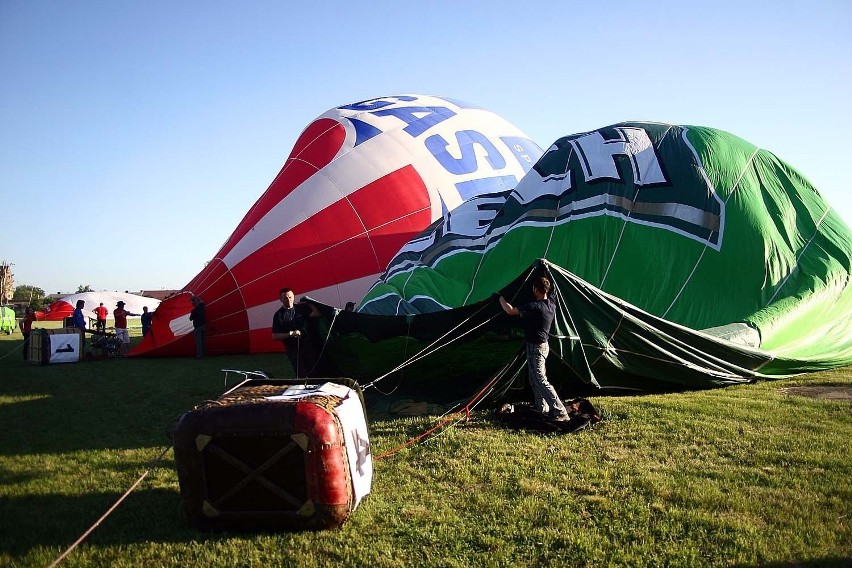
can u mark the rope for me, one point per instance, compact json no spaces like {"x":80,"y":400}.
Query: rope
{"x":409,"y":321}
{"x":456,"y":416}
{"x":153,"y":464}
{"x":110,"y":510}
{"x":14,"y":350}
{"x":430,"y":349}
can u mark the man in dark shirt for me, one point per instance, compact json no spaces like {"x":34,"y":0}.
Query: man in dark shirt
{"x":288,"y":326}
{"x":147,"y":320}
{"x":537,"y":317}
{"x":27,"y":328}
{"x":198,"y":317}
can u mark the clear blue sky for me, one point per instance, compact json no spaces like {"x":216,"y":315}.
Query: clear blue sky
{"x":134,"y":136}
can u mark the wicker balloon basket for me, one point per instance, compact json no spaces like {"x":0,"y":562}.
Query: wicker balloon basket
{"x":275,"y":455}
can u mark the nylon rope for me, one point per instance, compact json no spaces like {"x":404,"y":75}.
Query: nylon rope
{"x":474,"y":404}
{"x":561,"y":302}
{"x":430,"y":349}
{"x":483,"y":238}
{"x":435,"y":346}
{"x":14,"y":350}
{"x":684,"y":363}
{"x":703,"y":250}
{"x":456,"y":416}
{"x":154,"y":463}
{"x":609,"y":346}
{"x":246,"y":379}
{"x":109,"y":511}
{"x":404,"y":356}
{"x":475,"y":274}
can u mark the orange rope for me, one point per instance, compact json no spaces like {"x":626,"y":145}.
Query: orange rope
{"x":466,"y":411}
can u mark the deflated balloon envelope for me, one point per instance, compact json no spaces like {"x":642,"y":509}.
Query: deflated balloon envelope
{"x":361,"y":180}
{"x":690,"y":224}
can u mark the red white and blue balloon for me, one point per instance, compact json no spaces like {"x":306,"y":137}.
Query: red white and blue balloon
{"x":360,"y":182}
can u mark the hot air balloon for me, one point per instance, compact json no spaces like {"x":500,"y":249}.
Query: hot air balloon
{"x":361,"y":180}
{"x":64,"y":307}
{"x":680,"y":255}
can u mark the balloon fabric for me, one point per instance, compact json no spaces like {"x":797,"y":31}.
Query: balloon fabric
{"x":361,"y":180}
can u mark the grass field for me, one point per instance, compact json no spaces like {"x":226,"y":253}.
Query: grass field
{"x":743,"y":476}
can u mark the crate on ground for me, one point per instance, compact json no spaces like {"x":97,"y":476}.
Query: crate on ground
{"x":275,"y":454}
{"x":63,"y":345}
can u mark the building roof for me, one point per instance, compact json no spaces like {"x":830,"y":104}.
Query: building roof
{"x":158,"y":294}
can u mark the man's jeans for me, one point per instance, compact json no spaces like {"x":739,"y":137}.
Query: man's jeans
{"x":199,"y":333}
{"x":545,"y":398}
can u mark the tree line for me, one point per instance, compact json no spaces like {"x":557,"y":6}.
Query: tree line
{"x":35,"y":296}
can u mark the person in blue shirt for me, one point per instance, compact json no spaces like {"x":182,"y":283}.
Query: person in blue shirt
{"x":79,"y":318}
{"x":537,"y":317}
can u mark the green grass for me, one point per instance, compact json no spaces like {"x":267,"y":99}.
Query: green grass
{"x":742,"y":476}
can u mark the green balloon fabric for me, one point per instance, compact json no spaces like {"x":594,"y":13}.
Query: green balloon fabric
{"x":691,"y":225}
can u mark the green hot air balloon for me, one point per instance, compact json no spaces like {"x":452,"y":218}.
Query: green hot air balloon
{"x":680,"y":255}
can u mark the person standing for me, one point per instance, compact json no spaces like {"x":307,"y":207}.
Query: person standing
{"x":27,"y":328}
{"x":537,"y":317}
{"x":147,"y":318}
{"x":121,"y":334}
{"x":198,"y":317}
{"x":79,"y":318}
{"x":288,"y":327}
{"x":101,"y":316}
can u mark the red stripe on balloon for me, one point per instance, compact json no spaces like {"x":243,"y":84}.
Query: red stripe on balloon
{"x":213,"y":282}
{"x":316,"y":148}
{"x":228,"y":334}
{"x":350,"y":239}
{"x":262,"y":342}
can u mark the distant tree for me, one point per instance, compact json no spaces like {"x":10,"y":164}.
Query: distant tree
{"x":30,"y":294}
{"x":86,"y":288}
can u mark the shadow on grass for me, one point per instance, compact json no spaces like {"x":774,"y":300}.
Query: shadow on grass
{"x":113,"y":404}
{"x":153,"y":515}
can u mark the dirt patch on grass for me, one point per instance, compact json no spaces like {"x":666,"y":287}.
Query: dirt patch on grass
{"x":828,"y":392}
